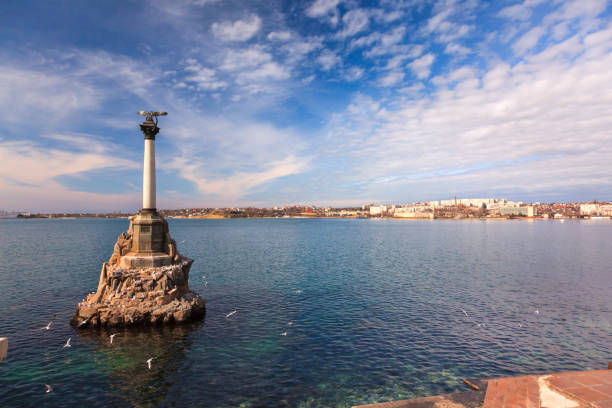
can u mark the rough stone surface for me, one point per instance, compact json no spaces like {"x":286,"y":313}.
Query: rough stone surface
{"x":143,"y":295}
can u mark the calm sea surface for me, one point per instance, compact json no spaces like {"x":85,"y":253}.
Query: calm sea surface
{"x":372,"y":310}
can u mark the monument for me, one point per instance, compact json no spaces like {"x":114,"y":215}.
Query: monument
{"x":146,"y":280}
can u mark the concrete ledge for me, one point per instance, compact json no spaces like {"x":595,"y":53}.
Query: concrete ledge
{"x":154,"y":260}
{"x":3,"y":348}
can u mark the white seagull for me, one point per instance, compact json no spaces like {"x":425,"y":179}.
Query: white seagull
{"x":49,"y":388}
{"x":290,"y":324}
{"x":67,"y":342}
{"x":83,"y":323}
{"x":47,"y":327}
{"x":298,"y":291}
{"x":231,"y":313}
{"x":537,"y":311}
{"x":465,"y":313}
{"x":149,"y":362}
{"x":112,"y":336}
{"x":283,"y":333}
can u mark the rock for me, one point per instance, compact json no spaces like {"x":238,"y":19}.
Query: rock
{"x":141,"y":296}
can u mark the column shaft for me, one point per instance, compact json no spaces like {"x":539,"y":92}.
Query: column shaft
{"x":148,"y":178}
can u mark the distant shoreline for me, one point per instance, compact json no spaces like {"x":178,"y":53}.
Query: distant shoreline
{"x":47,"y":217}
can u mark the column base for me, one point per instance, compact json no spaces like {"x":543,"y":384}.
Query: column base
{"x":138,"y":260}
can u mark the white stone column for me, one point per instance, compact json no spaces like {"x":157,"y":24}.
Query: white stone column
{"x":148,"y":176}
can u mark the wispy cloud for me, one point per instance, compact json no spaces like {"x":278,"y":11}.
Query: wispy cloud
{"x":239,"y":30}
{"x":422,"y":66}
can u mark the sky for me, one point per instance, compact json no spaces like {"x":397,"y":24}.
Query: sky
{"x":314,"y":102}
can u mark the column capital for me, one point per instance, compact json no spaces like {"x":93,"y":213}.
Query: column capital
{"x":149,"y":129}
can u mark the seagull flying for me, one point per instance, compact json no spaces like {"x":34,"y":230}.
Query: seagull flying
{"x":298,"y":292}
{"x":283,"y":333}
{"x":112,"y":336}
{"x":47,"y":327}
{"x":67,"y":342}
{"x":83,"y":323}
{"x":49,"y":388}
{"x":290,"y":324}
{"x":537,"y":311}
{"x":149,"y":362}
{"x":230,"y":313}
{"x":465,"y":313}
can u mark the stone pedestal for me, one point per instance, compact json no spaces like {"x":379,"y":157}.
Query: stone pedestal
{"x":145,"y":281}
{"x":151,"y":245}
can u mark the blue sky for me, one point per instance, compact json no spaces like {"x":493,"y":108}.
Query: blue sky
{"x":323,"y":102}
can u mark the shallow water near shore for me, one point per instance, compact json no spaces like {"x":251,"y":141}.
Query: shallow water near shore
{"x":372,"y":310}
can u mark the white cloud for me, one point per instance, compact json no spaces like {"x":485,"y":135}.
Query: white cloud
{"x":280,"y":36}
{"x":528,"y":40}
{"x":247,"y":154}
{"x":204,"y":78}
{"x":28,"y":171}
{"x":391,"y":78}
{"x":583,"y":8}
{"x":382,"y":43}
{"x":541,"y":125}
{"x":422,"y":66}
{"x":386,"y":16}
{"x":328,"y":60}
{"x":321,"y":8}
{"x":516,"y":12}
{"x":245,"y":58}
{"x":354,"y":22}
{"x":456,"y":49}
{"x":298,"y":49}
{"x":28,"y":93}
{"x":441,"y":25}
{"x":267,"y":71}
{"x":353,"y":73}
{"x":239,"y":30}
{"x":395,"y":62}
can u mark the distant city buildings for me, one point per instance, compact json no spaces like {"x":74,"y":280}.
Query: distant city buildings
{"x":455,"y":208}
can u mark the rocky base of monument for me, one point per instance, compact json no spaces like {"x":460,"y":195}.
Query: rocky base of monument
{"x":141,"y":296}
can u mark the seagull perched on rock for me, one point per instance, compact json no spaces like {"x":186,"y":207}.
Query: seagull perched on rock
{"x":47,"y":327}
{"x":67,"y":342}
{"x":112,"y":336}
{"x":149,"y":362}
{"x":49,"y":388}
{"x":231,"y":313}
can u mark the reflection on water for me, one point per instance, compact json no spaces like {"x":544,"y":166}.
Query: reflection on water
{"x":123,"y":364}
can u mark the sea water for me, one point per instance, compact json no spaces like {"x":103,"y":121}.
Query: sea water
{"x":373,"y":310}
